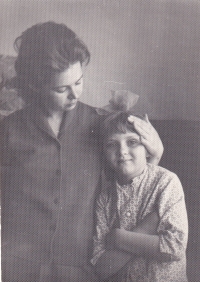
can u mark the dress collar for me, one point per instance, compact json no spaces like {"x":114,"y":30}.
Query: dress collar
{"x":37,"y":116}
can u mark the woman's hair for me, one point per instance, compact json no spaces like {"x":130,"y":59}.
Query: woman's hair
{"x":45,"y":48}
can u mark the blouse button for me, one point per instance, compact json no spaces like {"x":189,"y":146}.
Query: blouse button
{"x":58,"y":172}
{"x":128,"y":213}
{"x":52,"y":227}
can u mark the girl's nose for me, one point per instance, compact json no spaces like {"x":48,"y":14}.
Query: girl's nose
{"x":123,"y":150}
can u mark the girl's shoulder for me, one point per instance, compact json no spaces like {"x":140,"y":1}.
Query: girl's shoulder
{"x":161,"y":174}
{"x":161,"y":171}
{"x":108,"y":192}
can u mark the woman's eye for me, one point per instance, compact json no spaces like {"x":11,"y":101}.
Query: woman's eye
{"x":60,"y":89}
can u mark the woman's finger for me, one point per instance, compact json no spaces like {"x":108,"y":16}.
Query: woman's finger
{"x":143,"y":128}
{"x":146,"y":118}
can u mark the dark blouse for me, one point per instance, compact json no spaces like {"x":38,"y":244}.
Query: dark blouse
{"x":49,"y":184}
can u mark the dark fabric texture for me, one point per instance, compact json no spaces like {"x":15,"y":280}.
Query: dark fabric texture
{"x":49,"y":185}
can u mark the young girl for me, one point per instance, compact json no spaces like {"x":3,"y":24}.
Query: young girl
{"x":138,"y":190}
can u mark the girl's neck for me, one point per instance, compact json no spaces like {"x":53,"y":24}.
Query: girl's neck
{"x":127,"y":179}
{"x":124,"y":181}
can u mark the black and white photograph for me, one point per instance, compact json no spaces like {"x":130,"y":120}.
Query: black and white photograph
{"x":100,"y":140}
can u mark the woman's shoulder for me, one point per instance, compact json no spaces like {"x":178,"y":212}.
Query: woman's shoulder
{"x":86,"y":108}
{"x":15,"y":117}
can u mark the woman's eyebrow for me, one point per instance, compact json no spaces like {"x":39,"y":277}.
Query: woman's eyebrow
{"x":60,"y":86}
{"x":79,"y":78}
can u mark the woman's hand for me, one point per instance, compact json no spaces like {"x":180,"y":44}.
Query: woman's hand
{"x":149,"y":138}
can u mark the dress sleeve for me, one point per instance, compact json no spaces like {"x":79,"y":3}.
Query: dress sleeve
{"x":101,"y":228}
{"x":173,"y":225}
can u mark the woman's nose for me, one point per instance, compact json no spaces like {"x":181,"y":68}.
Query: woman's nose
{"x":72,"y":95}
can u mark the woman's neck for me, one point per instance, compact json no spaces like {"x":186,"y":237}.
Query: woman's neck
{"x":55,"y":119}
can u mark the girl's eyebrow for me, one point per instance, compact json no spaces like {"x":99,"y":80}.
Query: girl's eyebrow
{"x":133,"y":137}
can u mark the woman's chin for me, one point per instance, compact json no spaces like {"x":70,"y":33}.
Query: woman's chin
{"x":70,"y":107}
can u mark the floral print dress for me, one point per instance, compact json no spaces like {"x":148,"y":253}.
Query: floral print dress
{"x":155,"y":189}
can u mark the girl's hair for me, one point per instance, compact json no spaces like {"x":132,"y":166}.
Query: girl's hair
{"x":117,"y":123}
{"x":45,"y":48}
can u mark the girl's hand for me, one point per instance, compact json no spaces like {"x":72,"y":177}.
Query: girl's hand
{"x":149,"y":138}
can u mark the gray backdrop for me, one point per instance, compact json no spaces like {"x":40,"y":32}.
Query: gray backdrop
{"x":149,"y":47}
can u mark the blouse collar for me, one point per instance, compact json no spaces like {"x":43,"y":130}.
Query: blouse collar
{"x":136,"y":180}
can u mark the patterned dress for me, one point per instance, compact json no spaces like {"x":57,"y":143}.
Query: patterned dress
{"x":155,"y":189}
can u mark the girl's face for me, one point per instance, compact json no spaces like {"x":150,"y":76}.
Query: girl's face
{"x":126,"y":155}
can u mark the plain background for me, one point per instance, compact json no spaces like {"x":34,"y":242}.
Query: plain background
{"x":151,"y":48}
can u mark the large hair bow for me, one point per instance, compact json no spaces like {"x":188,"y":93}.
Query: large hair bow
{"x":121,"y":101}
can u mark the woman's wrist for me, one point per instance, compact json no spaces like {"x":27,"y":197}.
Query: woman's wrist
{"x":154,"y":159}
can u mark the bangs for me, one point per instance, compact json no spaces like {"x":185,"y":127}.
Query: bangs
{"x":117,"y":123}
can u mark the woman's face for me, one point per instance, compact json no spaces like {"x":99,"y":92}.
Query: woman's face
{"x":64,"y":89}
{"x":126,"y":155}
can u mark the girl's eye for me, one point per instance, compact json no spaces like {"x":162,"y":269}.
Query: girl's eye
{"x":133,"y":142}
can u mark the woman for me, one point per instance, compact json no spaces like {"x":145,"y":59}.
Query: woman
{"x":50,"y":161}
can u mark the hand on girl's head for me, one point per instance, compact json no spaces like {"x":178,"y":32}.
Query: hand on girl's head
{"x":148,"y":136}
{"x":131,"y":119}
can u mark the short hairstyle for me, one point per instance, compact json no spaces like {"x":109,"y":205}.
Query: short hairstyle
{"x":117,"y":123}
{"x":45,"y":48}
